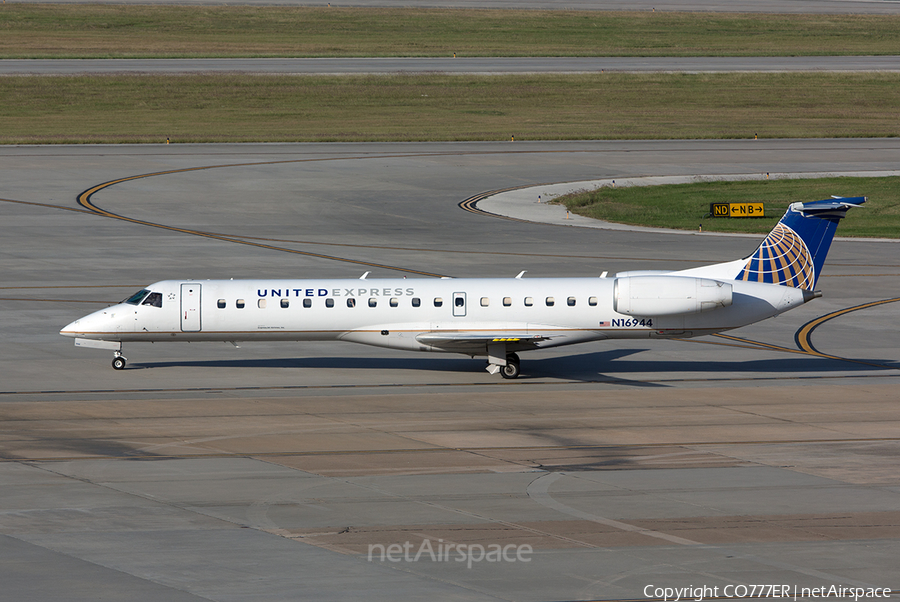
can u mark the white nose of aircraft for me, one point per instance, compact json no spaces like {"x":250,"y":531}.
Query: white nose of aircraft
{"x":93,"y":326}
{"x":71,"y":330}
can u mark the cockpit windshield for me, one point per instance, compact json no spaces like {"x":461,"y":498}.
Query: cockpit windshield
{"x":136,"y":298}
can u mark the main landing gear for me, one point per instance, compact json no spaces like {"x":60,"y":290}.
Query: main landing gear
{"x":511,"y":369}
{"x":119,"y":361}
{"x":498,"y":360}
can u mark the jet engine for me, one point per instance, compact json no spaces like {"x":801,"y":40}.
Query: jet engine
{"x":651,"y":296}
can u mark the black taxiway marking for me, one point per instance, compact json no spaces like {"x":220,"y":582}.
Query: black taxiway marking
{"x":84,"y":199}
{"x":803,"y":335}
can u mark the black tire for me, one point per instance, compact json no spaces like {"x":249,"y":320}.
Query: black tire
{"x":118,"y":363}
{"x":511,"y":369}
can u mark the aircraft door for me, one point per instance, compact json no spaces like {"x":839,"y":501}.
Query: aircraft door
{"x":459,"y":305}
{"x":190,"y":307}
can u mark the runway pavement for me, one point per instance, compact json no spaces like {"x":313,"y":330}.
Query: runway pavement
{"x":282,"y":471}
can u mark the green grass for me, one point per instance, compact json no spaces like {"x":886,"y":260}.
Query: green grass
{"x":105,"y":31}
{"x":235,"y":108}
{"x":685,"y":206}
{"x":220,"y":108}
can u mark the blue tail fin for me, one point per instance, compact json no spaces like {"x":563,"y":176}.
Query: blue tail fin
{"x":794,"y":251}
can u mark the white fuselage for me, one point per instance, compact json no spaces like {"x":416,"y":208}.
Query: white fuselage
{"x":455,"y":315}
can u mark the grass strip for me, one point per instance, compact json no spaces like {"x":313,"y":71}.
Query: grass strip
{"x":242,"y":108}
{"x":135,"y":31}
{"x":685,"y":206}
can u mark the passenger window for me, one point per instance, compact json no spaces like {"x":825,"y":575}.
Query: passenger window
{"x":551,"y":301}
{"x":459,"y":301}
{"x":394,"y":302}
{"x":592,"y":301}
{"x":239,"y":304}
{"x":307,"y":303}
{"x":153,"y":299}
{"x":438,"y":301}
{"x":285,"y":303}
{"x":373,"y":302}
{"x":570,"y":301}
{"x":484,"y":301}
{"x":529,"y":301}
{"x":329,"y":302}
{"x":507,"y":301}
{"x":351,"y":302}
{"x":261,"y":303}
{"x":220,"y":303}
{"x":416,"y":302}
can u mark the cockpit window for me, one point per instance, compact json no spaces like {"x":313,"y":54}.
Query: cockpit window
{"x":136,"y":298}
{"x":154,"y":299}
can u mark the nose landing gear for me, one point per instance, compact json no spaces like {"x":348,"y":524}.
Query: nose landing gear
{"x":119,"y":360}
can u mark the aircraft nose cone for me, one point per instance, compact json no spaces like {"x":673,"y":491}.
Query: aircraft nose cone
{"x":70,"y":330}
{"x":91,"y":325}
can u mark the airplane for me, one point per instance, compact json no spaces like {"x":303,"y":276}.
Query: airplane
{"x":495,"y":318}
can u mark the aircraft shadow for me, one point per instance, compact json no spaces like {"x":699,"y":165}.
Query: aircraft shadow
{"x":590,"y":362}
{"x":588,"y":367}
{"x":439,"y":364}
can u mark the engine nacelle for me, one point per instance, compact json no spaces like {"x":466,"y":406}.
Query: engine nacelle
{"x":651,"y":296}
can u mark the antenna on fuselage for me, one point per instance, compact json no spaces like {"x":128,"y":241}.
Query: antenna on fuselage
{"x":363,"y":277}
{"x":522,"y":273}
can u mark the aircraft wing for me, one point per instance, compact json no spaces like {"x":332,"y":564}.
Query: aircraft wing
{"x":464,"y":342}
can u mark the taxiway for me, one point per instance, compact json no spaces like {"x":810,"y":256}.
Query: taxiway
{"x":270,"y":471}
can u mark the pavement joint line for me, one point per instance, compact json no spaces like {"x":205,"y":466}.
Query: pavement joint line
{"x":538,"y":491}
{"x":612,"y":380}
{"x":520,"y":382}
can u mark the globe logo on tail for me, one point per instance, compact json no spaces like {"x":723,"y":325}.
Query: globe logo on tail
{"x":782,"y":258}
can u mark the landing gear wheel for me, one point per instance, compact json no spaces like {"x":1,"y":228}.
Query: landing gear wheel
{"x":118,"y":363}
{"x":511,"y":369}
